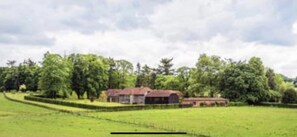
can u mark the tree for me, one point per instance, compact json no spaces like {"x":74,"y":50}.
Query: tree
{"x":183,"y":76}
{"x":28,"y":73}
{"x":165,"y":67}
{"x":206,"y":76}
{"x":290,"y":96}
{"x":295,"y":82}
{"x":90,"y":75}
{"x":78,"y":80}
{"x":167,"y":82}
{"x":125,"y":72}
{"x":271,"y":79}
{"x":138,"y":75}
{"x":95,"y":72}
{"x":11,"y":63}
{"x":245,"y":82}
{"x":55,"y":75}
{"x":121,"y":74}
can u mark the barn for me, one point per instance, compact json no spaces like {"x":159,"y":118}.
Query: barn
{"x":113,"y":95}
{"x":133,"y":95}
{"x":162,"y":97}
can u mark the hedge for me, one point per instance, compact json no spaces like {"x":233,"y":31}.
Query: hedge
{"x":282,"y":105}
{"x":237,"y":104}
{"x":101,"y":108}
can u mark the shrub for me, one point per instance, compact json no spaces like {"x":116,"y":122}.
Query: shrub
{"x":73,"y":95}
{"x":237,"y":104}
{"x":290,"y":96}
{"x":103,"y":97}
{"x":22,"y":88}
{"x":281,"y":105}
{"x":85,"y":96}
{"x":274,"y":96}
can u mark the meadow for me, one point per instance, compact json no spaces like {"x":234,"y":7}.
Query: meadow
{"x":25,"y":120}
{"x":217,"y":121}
{"x":17,"y":119}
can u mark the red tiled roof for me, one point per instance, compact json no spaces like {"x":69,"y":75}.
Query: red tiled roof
{"x":113,"y":92}
{"x":206,"y":99}
{"x":161,"y":93}
{"x":134,"y":91}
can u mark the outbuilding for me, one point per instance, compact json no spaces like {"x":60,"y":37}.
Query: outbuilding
{"x":113,"y":95}
{"x":162,"y":97}
{"x":133,"y":95}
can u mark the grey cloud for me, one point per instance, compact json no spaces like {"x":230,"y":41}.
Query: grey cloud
{"x":264,"y":21}
{"x":28,"y":21}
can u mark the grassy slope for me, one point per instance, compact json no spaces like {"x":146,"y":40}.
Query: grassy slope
{"x":18,"y":119}
{"x":222,"y":121}
{"x":20,"y":96}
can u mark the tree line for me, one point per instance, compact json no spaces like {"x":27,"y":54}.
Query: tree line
{"x":89,"y":74}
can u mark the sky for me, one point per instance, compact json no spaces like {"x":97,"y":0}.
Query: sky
{"x":147,"y":30}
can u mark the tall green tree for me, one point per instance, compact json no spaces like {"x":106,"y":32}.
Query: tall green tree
{"x":271,"y":79}
{"x":121,"y":74}
{"x":78,"y":80}
{"x":96,"y":74}
{"x":206,"y":76}
{"x":167,"y":82}
{"x":55,"y":75}
{"x":183,"y":76}
{"x":245,"y":81}
{"x":165,"y":67}
{"x":139,"y":77}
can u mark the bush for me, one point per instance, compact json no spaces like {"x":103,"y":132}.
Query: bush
{"x":237,"y":104}
{"x":103,"y":97}
{"x":281,"y":105}
{"x":72,"y":95}
{"x":85,"y":96}
{"x":22,"y":88}
{"x":290,"y":96}
{"x":274,"y":96}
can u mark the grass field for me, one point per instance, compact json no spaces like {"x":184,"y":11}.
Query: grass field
{"x":20,"y":96}
{"x":18,"y":119}
{"x":21,"y":120}
{"x":217,"y":121}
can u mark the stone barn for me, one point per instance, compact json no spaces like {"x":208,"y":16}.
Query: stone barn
{"x":162,"y":97}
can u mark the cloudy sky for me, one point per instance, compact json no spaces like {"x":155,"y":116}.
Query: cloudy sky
{"x":147,"y":30}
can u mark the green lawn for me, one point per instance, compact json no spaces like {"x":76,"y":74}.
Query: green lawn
{"x":20,"y":96}
{"x":17,"y":119}
{"x":217,"y":121}
{"x":96,"y":103}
